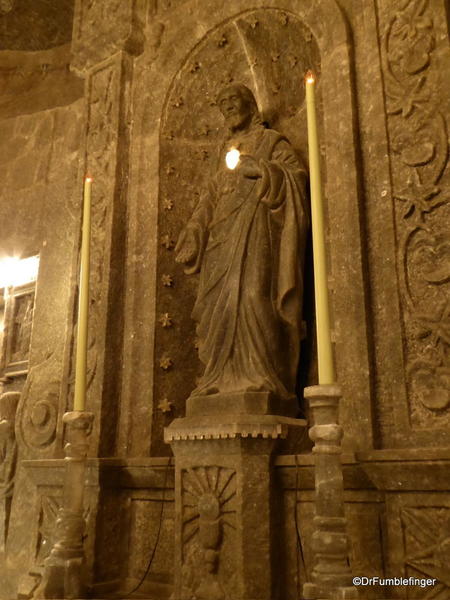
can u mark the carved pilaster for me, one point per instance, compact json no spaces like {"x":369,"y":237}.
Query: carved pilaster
{"x":331,"y":576}
{"x":415,"y":57}
{"x":106,"y":37}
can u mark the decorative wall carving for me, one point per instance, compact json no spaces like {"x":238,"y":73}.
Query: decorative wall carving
{"x":101,"y":144}
{"x":426,"y":532}
{"x":418,"y":136}
{"x":38,"y":407}
{"x":8,"y":458}
{"x":241,"y":50}
{"x":208,"y":508}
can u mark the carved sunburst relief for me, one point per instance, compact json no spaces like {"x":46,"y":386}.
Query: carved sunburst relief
{"x":208,"y":517}
{"x":209,"y":503}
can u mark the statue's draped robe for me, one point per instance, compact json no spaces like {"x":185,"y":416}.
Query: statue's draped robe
{"x":251,"y":234}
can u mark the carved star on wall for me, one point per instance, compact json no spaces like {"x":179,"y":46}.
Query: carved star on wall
{"x":166,"y":363}
{"x":166,"y":320}
{"x":167,"y":242}
{"x":167,"y":204}
{"x":204,"y":130}
{"x":165,"y":405}
{"x":167,"y":280}
{"x":223,"y":41}
{"x":178,"y":102}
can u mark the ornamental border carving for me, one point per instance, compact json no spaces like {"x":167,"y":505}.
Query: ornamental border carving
{"x":418,"y":139}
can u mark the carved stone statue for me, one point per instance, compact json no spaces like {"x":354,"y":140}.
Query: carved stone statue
{"x":247,"y":237}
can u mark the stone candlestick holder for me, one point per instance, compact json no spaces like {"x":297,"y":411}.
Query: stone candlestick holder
{"x":331,"y":575}
{"x":63,"y":577}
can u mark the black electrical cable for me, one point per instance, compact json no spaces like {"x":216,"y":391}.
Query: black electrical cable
{"x":158,"y":533}
{"x":299,"y":541}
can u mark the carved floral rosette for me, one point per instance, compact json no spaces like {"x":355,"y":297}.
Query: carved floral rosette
{"x":418,"y":137}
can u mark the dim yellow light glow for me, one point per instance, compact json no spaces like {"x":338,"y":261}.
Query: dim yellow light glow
{"x":15,"y":271}
{"x":232,"y":158}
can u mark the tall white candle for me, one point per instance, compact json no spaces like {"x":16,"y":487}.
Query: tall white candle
{"x":324,"y":346}
{"x":83,"y":302}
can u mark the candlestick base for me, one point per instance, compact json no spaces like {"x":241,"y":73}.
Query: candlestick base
{"x":63,"y":572}
{"x":331,"y":575}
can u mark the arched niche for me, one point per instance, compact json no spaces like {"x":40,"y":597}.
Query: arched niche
{"x":191,"y":54}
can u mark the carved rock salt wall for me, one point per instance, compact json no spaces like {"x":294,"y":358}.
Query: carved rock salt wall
{"x":383,"y":96}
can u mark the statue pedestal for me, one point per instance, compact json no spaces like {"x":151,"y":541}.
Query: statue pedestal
{"x":241,"y":403}
{"x":223,"y":546}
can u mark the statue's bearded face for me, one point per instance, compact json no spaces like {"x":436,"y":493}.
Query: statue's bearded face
{"x":235,"y":108}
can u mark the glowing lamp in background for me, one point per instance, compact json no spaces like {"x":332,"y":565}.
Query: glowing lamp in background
{"x":232,"y":158}
{"x":16,"y":271}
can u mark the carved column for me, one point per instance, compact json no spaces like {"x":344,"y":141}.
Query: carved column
{"x":331,"y":576}
{"x":223,"y":493}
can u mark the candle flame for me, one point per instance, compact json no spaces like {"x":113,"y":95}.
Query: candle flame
{"x":232,"y":158}
{"x":309,"y":77}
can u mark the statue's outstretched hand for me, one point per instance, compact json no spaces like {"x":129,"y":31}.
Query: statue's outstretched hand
{"x":186,"y":248}
{"x":249,"y":167}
